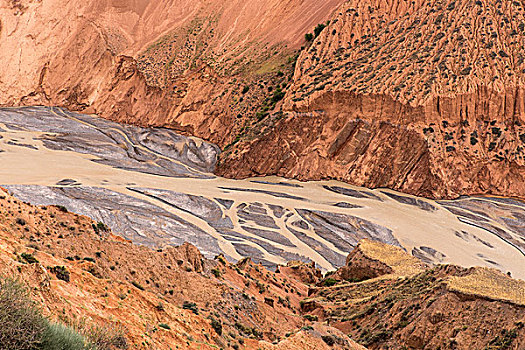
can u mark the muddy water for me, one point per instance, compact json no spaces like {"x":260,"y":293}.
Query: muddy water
{"x":157,"y":188}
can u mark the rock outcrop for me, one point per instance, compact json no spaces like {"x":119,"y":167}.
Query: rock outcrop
{"x":371,"y":259}
{"x":412,"y":306}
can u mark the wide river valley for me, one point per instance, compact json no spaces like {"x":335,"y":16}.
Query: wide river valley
{"x":157,"y":188}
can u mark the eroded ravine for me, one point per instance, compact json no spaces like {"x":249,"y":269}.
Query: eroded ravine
{"x":157,"y":188}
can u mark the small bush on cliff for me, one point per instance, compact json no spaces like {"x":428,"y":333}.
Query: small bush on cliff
{"x":188,"y":305}
{"x":319,"y":29}
{"x":105,"y":337}
{"x":62,"y":208}
{"x":61,"y":272}
{"x":216,"y":272}
{"x":100,"y":227}
{"x":328,"y":339}
{"x":29,"y":258}
{"x":137,"y":285}
{"x":216,"y":325}
{"x":311,"y":318}
{"x":329,"y":282}
{"x":165,"y":326}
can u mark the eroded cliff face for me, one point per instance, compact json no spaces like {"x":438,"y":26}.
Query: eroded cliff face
{"x":176,"y":63}
{"x":424,"y":97}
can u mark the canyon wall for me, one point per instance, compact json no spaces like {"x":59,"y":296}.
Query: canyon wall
{"x":423,"y":97}
{"x":175,"y":63}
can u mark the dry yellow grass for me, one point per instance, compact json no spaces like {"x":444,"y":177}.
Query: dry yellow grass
{"x":402,"y":263}
{"x":490,"y":283}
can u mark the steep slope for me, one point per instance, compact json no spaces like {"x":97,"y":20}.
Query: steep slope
{"x":177,"y":63}
{"x":172,"y":298}
{"x":426,"y":97}
{"x":388,"y":301}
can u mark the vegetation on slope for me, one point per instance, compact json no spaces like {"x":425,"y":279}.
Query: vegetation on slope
{"x":23,"y":326}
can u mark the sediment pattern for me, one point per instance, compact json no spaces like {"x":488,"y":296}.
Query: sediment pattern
{"x":156,"y":188}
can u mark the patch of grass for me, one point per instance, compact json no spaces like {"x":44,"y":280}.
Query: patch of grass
{"x":107,"y":338}
{"x":329,"y":282}
{"x":489,"y":283}
{"x":503,"y":341}
{"x":60,"y":337}
{"x":249,"y":331}
{"x":403,"y":264}
{"x":311,"y":318}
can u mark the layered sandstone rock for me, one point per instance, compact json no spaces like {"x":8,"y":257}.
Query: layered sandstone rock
{"x":424,"y":97}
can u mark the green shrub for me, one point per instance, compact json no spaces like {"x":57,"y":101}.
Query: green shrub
{"x":100,"y":227}
{"x":216,"y":272}
{"x":62,"y":208}
{"x":216,"y":325}
{"x":319,"y":29}
{"x":308,"y":37}
{"x":278,"y":95}
{"x":20,"y":221}
{"x":61,"y":272}
{"x":106,"y":337}
{"x":165,"y":326}
{"x":22,"y":325}
{"x":187,"y":305}
{"x":329,"y":282}
{"x":328,"y":339}
{"x":503,"y":341}
{"x":137,"y":285}
{"x":29,"y":258}
{"x":311,"y":318}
